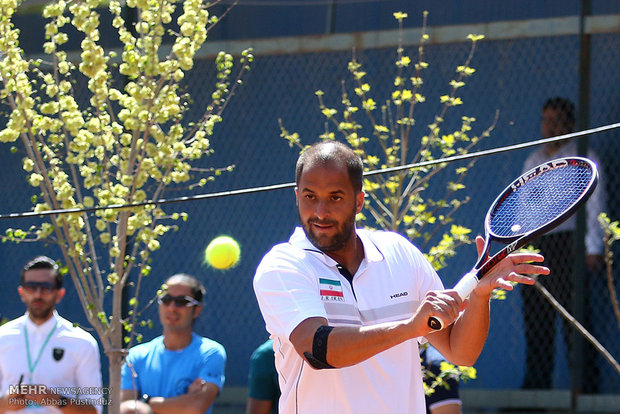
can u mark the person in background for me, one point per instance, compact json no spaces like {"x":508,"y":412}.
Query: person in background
{"x":179,"y":371}
{"x":558,"y":118}
{"x":44,"y":358}
{"x":263,"y":388}
{"x":347,"y":307}
{"x":445,"y":399}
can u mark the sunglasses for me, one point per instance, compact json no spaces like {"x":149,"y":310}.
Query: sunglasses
{"x":179,"y":301}
{"x":46,"y":287}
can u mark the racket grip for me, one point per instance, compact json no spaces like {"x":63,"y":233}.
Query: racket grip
{"x":435,"y":323}
{"x":464,"y":287}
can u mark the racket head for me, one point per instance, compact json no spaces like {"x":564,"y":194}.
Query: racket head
{"x":541,"y":199}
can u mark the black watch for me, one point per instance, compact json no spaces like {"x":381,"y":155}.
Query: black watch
{"x":146,"y":398}
{"x":62,"y":401}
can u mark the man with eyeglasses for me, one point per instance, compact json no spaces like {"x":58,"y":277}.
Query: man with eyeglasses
{"x":47,"y":365}
{"x":178,"y":371}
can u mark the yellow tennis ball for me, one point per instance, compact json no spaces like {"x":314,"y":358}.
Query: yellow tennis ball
{"x":223,"y":252}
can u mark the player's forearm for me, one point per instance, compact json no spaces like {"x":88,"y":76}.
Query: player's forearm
{"x":351,"y":345}
{"x":348,"y":346}
{"x":470,"y":331}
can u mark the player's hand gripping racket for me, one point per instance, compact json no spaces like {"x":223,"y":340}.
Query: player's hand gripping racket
{"x":533,"y":204}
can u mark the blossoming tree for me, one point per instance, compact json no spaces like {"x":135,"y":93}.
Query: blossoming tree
{"x":122,"y":146}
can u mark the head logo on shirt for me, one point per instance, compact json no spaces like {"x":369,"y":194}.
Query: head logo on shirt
{"x":331,"y":290}
{"x":58,"y":353}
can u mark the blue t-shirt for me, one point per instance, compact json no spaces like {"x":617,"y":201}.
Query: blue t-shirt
{"x":164,"y":373}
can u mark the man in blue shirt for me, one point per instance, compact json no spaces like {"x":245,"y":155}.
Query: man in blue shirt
{"x":178,"y":371}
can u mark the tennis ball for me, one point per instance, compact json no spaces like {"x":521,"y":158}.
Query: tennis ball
{"x":223,"y":252}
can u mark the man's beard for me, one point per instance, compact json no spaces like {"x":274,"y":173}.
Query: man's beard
{"x":332,"y":243}
{"x":41,"y":312}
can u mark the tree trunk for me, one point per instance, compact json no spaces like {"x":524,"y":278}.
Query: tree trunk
{"x":116,"y":361}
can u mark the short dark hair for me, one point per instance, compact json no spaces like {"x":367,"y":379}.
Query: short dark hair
{"x":43,"y":262}
{"x":197,"y":288}
{"x":565,"y":105}
{"x":333,"y":151}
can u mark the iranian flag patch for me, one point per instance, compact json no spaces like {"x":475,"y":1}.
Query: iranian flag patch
{"x":331,"y":289}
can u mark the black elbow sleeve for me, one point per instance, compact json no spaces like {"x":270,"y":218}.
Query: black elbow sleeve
{"x":318,"y":358}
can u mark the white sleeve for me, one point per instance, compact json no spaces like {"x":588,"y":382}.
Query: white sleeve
{"x":426,"y":276}
{"x":287,"y":293}
{"x":534,"y":159}
{"x":88,"y":374}
{"x":595,"y":206}
{"x":431,"y":279}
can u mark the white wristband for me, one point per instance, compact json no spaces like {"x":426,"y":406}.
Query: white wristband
{"x":466,"y":285}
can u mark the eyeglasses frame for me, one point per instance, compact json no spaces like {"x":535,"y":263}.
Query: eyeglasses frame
{"x":46,"y":287}
{"x":191,"y":302}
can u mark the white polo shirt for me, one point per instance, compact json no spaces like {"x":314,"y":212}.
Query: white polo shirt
{"x":69,"y":361}
{"x":296,"y":281}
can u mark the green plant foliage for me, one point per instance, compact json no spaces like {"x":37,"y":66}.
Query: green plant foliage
{"x":398,"y":201}
{"x":447,"y":371}
{"x":612,"y":235}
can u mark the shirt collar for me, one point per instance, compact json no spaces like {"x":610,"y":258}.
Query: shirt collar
{"x":371,"y":251}
{"x":45,"y":327}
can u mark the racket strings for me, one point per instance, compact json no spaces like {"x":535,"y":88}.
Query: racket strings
{"x":540,"y":200}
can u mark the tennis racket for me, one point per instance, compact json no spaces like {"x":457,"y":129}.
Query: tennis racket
{"x":530,"y":206}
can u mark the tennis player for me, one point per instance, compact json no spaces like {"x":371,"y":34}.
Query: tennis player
{"x":347,"y":307}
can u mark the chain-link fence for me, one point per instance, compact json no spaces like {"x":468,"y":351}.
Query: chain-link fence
{"x":515,"y":74}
